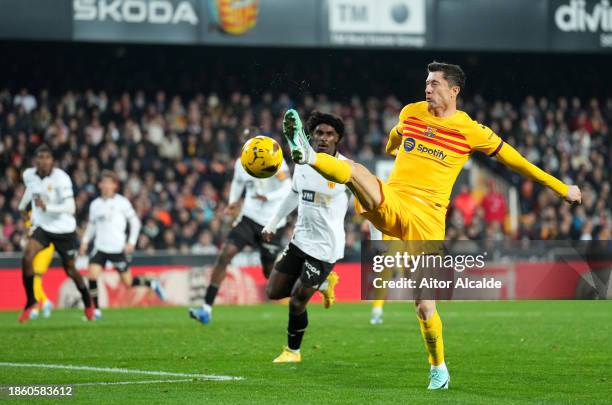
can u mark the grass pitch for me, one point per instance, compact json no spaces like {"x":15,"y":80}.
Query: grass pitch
{"x":497,"y":352}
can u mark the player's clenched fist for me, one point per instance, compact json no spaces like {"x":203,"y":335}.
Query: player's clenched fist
{"x":574,"y":195}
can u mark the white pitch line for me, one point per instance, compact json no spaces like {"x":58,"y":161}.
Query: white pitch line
{"x":130,"y":382}
{"x":211,"y":377}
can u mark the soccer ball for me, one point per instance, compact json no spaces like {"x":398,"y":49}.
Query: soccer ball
{"x":261,"y":157}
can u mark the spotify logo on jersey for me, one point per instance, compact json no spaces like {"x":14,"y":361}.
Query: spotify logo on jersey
{"x":409,"y":144}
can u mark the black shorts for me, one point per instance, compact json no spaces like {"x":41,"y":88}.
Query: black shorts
{"x":312,"y":272}
{"x":66,"y":244}
{"x":119,"y":260}
{"x":248,"y":232}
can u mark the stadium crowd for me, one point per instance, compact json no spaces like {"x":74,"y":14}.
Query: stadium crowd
{"x":175,"y":154}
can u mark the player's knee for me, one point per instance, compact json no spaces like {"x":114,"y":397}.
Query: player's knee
{"x":30,"y":254}
{"x":26,"y":265}
{"x":71,"y":271}
{"x":93,"y":272}
{"x":365,"y":187}
{"x":273,"y":293}
{"x":227,"y":254}
{"x":425,"y":308}
{"x":359,"y":172}
{"x":28,"y":258}
{"x":297,"y":304}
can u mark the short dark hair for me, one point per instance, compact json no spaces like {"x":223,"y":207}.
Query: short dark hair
{"x":109,"y":174}
{"x":316,"y":118}
{"x":452,"y":73}
{"x":43,"y":148}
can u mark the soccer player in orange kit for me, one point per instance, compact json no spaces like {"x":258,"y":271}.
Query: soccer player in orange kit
{"x":433,"y":141}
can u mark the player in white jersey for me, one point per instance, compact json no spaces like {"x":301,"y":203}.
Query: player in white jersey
{"x":109,"y":216}
{"x":318,"y":240}
{"x":49,"y":189}
{"x":261,"y":200}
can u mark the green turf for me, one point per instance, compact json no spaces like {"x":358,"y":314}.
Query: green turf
{"x":497,"y":352}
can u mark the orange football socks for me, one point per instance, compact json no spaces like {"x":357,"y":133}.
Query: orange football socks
{"x":333,"y":169}
{"x":431,"y":330}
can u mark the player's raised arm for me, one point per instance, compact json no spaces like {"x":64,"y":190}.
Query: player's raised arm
{"x":514,"y":160}
{"x":394,"y":142}
{"x":395,"y":135}
{"x":485,"y":140}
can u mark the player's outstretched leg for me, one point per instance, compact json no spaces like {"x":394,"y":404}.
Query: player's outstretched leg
{"x":431,"y":330}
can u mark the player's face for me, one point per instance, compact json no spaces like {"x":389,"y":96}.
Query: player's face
{"x":107,"y":187}
{"x":44,"y":163}
{"x":438,"y":92}
{"x":325,"y":139}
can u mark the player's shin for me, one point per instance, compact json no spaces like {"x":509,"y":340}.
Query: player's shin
{"x":39,"y":292}
{"x":80,"y":285}
{"x":211,"y":294}
{"x":295,"y":329}
{"x":93,"y":291}
{"x":28,"y":284}
{"x":431,"y":330}
{"x":85,"y":295}
{"x":333,"y":169}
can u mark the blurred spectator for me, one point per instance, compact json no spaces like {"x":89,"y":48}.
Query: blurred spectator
{"x":494,"y":205}
{"x":175,"y":151}
{"x":466,"y":204}
{"x":205,"y":245}
{"x":25,"y":100}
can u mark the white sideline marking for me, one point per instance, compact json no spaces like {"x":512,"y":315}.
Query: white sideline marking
{"x":131,"y":382}
{"x":122,"y":371}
